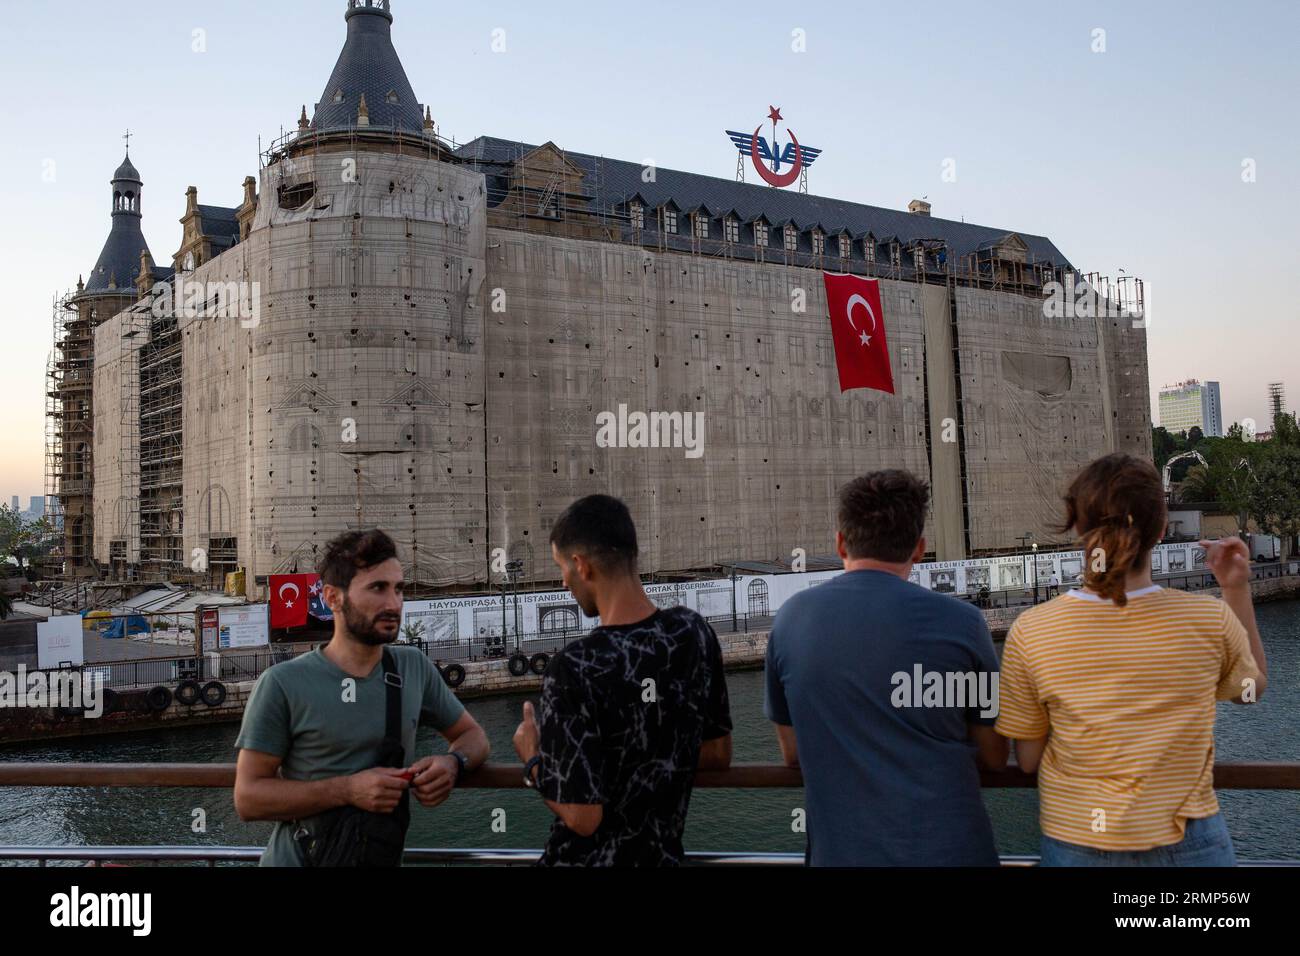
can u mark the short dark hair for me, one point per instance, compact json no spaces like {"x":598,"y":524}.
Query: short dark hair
{"x":599,"y":527}
{"x":354,"y":551}
{"x":882,"y":514}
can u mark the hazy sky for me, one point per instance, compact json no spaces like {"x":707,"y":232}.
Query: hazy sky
{"x":1131,"y":158}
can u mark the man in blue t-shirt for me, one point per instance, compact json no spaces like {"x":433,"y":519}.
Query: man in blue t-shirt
{"x":885,"y":694}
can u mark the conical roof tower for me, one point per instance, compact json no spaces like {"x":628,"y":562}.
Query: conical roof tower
{"x":368,"y":67}
{"x":119,"y":261}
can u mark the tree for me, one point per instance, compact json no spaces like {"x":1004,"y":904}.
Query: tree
{"x":24,"y":540}
{"x":1195,"y":436}
{"x":1285,"y":430}
{"x":1163,"y":446}
{"x":1227,"y":479}
{"x":1274,"y":501}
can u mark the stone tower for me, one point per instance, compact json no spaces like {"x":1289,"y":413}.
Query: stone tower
{"x":110,"y":288}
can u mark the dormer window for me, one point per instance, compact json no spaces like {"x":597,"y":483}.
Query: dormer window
{"x":869,"y":249}
{"x":338,"y":96}
{"x":791,"y":239}
{"x":846,"y":247}
{"x":188,"y":264}
{"x":670,"y":219}
{"x":392,"y":98}
{"x":918,"y":259}
{"x":636,"y":213}
{"x":701,"y":223}
{"x":760,"y":232}
{"x":731,"y":229}
{"x":818,"y":243}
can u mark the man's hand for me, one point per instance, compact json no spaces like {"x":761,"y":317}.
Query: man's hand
{"x":1229,"y":559}
{"x":377,"y":790}
{"x":435,"y":778}
{"x":527,"y":737}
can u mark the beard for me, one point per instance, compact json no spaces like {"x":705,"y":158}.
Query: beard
{"x":366,"y":629}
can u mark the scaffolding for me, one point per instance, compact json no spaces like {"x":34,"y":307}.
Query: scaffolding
{"x":68,"y":435}
{"x":1276,"y":402}
{"x":161,"y":452}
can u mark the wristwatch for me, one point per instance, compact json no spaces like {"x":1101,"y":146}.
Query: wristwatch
{"x":462,"y":760}
{"x":533,"y":761}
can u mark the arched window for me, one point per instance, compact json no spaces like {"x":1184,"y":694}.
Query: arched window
{"x":304,"y":437}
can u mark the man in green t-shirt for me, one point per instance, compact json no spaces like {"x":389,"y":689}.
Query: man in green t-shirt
{"x":314,"y":726}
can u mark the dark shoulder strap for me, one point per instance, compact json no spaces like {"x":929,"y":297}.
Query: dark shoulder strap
{"x":394,"y":754}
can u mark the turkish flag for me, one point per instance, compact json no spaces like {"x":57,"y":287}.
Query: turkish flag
{"x":290,"y":594}
{"x":858,"y":331}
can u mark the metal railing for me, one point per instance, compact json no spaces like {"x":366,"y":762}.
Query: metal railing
{"x":1227,"y":776}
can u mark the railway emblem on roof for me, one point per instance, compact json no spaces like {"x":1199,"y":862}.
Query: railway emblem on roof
{"x":777,"y":165}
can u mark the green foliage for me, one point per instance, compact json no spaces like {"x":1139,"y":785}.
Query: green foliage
{"x":1286,"y":432}
{"x":1274,"y":501}
{"x":22,"y":539}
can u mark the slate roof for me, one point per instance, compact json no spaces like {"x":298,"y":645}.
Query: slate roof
{"x":127,"y":171}
{"x":614,"y":182}
{"x":220,"y":225}
{"x":120,"y":258}
{"x":368,"y":64}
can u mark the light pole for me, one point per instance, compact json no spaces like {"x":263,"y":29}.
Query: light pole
{"x":1034,"y":558}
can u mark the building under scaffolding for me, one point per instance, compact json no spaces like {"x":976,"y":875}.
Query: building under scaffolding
{"x":439,"y":326}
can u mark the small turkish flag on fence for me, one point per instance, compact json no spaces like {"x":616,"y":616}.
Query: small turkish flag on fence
{"x":858,"y":331}
{"x":290,"y":594}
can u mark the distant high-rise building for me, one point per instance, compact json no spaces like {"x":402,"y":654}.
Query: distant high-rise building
{"x":38,"y":506}
{"x":15,"y":503}
{"x":1192,"y":404}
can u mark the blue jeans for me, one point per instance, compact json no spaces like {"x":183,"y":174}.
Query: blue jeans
{"x":1205,"y":842}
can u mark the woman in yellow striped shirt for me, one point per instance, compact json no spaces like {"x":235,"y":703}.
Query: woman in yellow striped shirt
{"x":1109,"y":691}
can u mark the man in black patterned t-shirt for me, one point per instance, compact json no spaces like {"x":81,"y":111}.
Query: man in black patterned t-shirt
{"x":629,"y":712}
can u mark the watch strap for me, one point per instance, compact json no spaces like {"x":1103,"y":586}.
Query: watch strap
{"x":534,"y":761}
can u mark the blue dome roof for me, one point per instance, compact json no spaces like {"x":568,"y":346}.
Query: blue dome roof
{"x":368,"y":65}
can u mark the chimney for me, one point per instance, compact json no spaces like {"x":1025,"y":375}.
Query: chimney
{"x":919,"y":207}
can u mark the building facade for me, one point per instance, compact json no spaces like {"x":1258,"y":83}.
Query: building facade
{"x":1192,"y":404}
{"x":434,"y":331}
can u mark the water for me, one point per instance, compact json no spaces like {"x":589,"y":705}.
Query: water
{"x":1264,"y":824}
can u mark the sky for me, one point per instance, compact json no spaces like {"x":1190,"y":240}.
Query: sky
{"x":1158,"y":138}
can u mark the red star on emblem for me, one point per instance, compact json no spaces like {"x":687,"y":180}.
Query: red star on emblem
{"x":774,"y":113}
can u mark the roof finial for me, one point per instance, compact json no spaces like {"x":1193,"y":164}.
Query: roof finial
{"x":363,"y":114}
{"x":428,"y":120}
{"x":127,"y":137}
{"x":303,"y":122}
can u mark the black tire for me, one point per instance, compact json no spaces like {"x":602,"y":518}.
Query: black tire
{"x":518,"y":665}
{"x":213,"y":693}
{"x":187,"y":692}
{"x":159,"y":698}
{"x":454,"y":675}
{"x":537,"y":663}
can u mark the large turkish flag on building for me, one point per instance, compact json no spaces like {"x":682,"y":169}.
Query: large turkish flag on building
{"x":858,"y":331}
{"x":290,"y":594}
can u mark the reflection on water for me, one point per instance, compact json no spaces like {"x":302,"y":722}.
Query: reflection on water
{"x":1264,"y":824}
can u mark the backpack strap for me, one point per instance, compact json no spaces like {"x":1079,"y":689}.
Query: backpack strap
{"x":393,"y":754}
